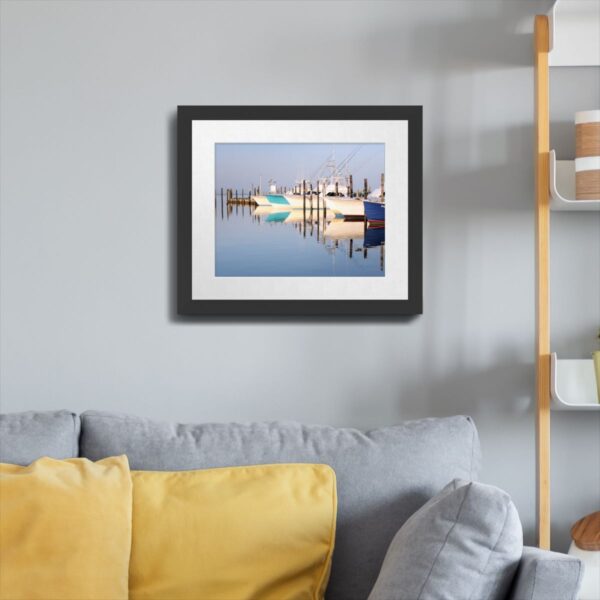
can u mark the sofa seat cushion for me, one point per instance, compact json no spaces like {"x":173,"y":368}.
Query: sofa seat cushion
{"x":464,"y":544}
{"x":383,"y":476}
{"x":65,"y":530}
{"x":233,"y":533}
{"x":27,"y":436}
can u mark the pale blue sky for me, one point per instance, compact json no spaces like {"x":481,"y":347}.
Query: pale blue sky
{"x":239,"y":166}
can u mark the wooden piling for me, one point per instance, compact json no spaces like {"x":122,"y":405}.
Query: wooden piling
{"x":318,"y":210}
{"x":304,"y":205}
{"x":351,"y":191}
{"x":382,"y":193}
{"x":336,"y":189}
{"x":365,"y":191}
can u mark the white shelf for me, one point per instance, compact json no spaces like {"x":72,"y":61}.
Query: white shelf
{"x":574,"y":33}
{"x":562,"y":187}
{"x":573,"y":384}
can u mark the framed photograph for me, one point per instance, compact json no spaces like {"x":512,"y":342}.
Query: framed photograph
{"x":299,"y":210}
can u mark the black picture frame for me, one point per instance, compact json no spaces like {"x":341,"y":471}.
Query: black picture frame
{"x":413,"y":305}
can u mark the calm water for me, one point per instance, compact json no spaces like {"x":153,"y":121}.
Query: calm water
{"x":266,"y":242}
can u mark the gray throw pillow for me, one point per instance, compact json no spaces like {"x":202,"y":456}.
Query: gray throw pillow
{"x":464,"y":544}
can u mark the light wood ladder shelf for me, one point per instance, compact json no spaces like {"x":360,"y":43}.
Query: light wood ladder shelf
{"x":542,"y":211}
{"x":567,"y":36}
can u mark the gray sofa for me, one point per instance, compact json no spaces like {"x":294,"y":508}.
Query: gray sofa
{"x":383,"y":476}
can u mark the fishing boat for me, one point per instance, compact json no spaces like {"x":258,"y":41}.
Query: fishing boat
{"x":276,"y":200}
{"x":341,"y":205}
{"x":294,"y":201}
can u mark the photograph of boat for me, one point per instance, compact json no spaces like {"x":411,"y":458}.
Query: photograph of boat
{"x":282,"y":209}
{"x":317,"y":226}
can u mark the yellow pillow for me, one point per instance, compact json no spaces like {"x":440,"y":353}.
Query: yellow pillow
{"x":261,"y":533}
{"x":65,"y":529}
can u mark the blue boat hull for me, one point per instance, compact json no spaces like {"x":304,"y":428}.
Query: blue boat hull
{"x":374,"y":211}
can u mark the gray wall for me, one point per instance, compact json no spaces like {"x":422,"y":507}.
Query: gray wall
{"x":89,"y":91}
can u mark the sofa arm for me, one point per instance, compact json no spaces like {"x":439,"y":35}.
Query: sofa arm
{"x":544,"y":575}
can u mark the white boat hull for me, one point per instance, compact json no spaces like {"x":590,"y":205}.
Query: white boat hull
{"x":287,"y":201}
{"x":347,"y":207}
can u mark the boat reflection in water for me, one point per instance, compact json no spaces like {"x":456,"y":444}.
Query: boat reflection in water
{"x":274,"y":241}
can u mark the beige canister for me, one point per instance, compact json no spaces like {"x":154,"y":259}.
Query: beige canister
{"x":587,"y":155}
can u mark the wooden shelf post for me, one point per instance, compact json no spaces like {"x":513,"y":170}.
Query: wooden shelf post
{"x":542,"y":212}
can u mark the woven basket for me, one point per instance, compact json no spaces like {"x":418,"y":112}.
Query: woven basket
{"x":587,"y":155}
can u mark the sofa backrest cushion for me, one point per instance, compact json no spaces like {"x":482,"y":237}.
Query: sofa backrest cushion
{"x":27,"y":436}
{"x":383,"y":476}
